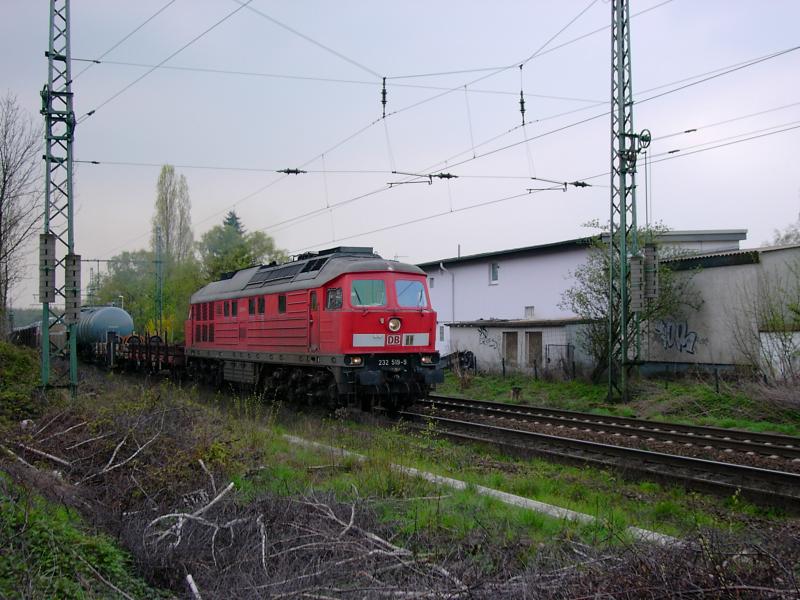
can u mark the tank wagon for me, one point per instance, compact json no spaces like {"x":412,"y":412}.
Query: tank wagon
{"x":337,"y":326}
{"x":97,"y":323}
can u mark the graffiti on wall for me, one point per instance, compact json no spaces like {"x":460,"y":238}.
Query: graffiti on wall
{"x":675,"y":335}
{"x":484,"y":339}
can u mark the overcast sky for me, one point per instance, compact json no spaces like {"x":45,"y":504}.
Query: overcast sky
{"x":228,"y":132}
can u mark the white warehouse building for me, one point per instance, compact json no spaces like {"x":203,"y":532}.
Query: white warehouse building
{"x":504,"y":306}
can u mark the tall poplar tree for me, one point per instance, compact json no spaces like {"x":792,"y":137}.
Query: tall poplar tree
{"x":173,"y":216}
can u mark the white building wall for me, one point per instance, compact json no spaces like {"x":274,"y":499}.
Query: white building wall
{"x":536,"y":281}
{"x":558,"y":349}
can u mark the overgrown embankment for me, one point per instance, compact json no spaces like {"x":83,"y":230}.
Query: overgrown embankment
{"x":190,"y":489}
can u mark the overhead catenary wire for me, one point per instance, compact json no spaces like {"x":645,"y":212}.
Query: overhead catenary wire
{"x":383,"y":189}
{"x":711,"y":77}
{"x":499,"y":69}
{"x":707,"y":76}
{"x":389,"y":84}
{"x":725,"y":121}
{"x":538,"y":54}
{"x":352,"y":136}
{"x":512,"y":197}
{"x":123,"y":40}
{"x":309,"y":39}
{"x":301,"y":218}
{"x":174,"y":54}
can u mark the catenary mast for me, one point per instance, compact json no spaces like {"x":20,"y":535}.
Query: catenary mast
{"x":59,"y":266}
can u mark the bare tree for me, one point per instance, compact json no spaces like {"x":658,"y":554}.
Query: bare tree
{"x":173,"y":215}
{"x":588,"y":296}
{"x":790,"y":235}
{"x":20,"y":192}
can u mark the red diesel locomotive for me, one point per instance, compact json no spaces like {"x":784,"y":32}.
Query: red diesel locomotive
{"x":337,"y":326}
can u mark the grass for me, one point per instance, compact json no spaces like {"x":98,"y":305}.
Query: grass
{"x":686,"y":401}
{"x":48,"y":552}
{"x":416,"y":506}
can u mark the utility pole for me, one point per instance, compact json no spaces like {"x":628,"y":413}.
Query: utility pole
{"x":159,"y":295}
{"x":57,"y":242}
{"x":623,"y":318}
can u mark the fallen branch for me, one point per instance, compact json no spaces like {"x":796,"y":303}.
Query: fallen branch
{"x":60,"y":433}
{"x":56,"y":459}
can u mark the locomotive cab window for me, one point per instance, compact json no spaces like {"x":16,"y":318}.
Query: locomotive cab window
{"x":251,"y":306}
{"x":410,"y":293}
{"x":368,"y":292}
{"x":234,"y":307}
{"x":333,"y":299}
{"x":227,"y":309}
{"x":282,"y":303}
{"x":261,"y":305}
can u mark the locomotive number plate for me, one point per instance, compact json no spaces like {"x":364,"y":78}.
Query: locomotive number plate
{"x":393,"y":339}
{"x":392,"y":362}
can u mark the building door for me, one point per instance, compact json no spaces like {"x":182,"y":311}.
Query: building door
{"x":533,"y":341}
{"x":313,"y":322}
{"x":510,"y":348}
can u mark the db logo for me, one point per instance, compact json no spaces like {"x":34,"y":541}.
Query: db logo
{"x":393,"y":340}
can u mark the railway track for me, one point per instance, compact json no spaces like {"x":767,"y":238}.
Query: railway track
{"x":762,"y":485}
{"x":766,"y":444}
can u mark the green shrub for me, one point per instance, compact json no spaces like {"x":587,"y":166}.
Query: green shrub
{"x":19,"y":378}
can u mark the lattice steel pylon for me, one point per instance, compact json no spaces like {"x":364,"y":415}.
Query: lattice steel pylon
{"x":623,"y":321}
{"x":59,"y":266}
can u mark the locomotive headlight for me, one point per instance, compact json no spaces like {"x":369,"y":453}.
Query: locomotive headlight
{"x":355,"y":361}
{"x":426,"y":359}
{"x":394,"y":324}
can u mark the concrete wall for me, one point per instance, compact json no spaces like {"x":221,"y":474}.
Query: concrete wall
{"x":559,"y":349}
{"x":716,"y":332}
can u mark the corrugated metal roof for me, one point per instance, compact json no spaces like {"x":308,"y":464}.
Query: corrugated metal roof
{"x":520,"y":323}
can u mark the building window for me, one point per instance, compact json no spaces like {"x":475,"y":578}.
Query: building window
{"x":494,"y":273}
{"x":430,"y":282}
{"x":530,"y":312}
{"x":261,"y":305}
{"x":282,"y":303}
{"x":333,"y":299}
{"x":441,"y":333}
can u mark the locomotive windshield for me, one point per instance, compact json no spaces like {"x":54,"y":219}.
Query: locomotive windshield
{"x":368,"y":292}
{"x":410,"y":294}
